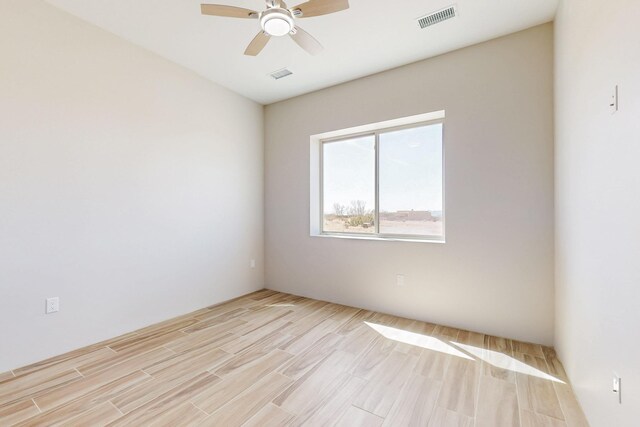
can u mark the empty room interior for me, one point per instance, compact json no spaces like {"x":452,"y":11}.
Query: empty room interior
{"x":320,"y":213}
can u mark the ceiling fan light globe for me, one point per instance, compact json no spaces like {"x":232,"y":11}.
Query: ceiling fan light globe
{"x":276,"y":23}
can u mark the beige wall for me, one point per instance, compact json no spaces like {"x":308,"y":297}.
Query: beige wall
{"x":598,"y":205}
{"x":495,"y":273}
{"x":129,"y":187}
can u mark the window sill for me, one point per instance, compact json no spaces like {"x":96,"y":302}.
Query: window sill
{"x":381,"y":238}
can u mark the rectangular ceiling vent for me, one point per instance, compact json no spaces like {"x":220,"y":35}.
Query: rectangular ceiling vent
{"x":280,"y":74}
{"x":437,"y":17}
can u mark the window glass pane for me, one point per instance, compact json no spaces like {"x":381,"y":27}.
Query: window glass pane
{"x":411,"y":181}
{"x":349,"y":185}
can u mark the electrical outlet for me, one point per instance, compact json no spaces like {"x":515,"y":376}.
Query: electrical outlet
{"x":53,"y":305}
{"x":252,"y":264}
{"x":400,"y":280}
{"x":617,"y":387}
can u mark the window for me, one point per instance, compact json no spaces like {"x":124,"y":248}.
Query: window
{"x":385,"y":183}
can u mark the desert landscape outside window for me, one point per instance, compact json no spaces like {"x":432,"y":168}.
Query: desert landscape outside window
{"x":387,"y":183}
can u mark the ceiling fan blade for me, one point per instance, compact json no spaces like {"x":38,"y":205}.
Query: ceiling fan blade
{"x":228,"y":11}
{"x":257,"y":44}
{"x":321,"y":7}
{"x":306,"y":41}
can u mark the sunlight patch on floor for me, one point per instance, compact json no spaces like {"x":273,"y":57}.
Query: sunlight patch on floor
{"x":419,"y":340}
{"x":505,"y":361}
{"x":491,"y":357}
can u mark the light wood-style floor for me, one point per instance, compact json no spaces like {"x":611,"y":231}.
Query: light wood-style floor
{"x":272,"y":359}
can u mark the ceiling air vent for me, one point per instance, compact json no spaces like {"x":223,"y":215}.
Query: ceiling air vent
{"x":277,"y":75}
{"x":436,"y":17}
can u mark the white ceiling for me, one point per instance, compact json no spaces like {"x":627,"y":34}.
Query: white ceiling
{"x":372,"y":36}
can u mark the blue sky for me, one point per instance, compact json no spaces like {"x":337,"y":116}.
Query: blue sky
{"x":410,"y":170}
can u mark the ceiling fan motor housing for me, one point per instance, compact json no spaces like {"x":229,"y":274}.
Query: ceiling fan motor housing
{"x":277,"y":21}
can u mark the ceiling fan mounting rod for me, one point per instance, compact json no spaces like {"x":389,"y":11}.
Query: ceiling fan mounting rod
{"x":275,"y":3}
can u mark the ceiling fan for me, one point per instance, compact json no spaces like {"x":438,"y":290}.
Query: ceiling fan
{"x":279,"y":20}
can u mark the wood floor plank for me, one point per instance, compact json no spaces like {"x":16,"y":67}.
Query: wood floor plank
{"x":184,"y":415}
{"x":356,"y":417}
{"x":124,"y":362}
{"x":527,"y":348}
{"x":66,"y":362}
{"x":317,"y":384}
{"x":214,"y":321}
{"x":253,"y":352}
{"x":498,"y":406}
{"x":302,"y":342}
{"x":443,"y":417}
{"x":277,"y":327}
{"x":416,"y":403}
{"x":156,"y":408}
{"x":344,"y":314}
{"x":219,"y":334}
{"x":446,"y":332}
{"x":235,"y":384}
{"x":34,"y":385}
{"x":386,"y":382}
{"x":184,"y":365}
{"x":574,"y":416}
{"x":531,"y":419}
{"x":262,"y":294}
{"x":499,"y":366}
{"x":413,"y":327}
{"x":200,"y":339}
{"x":90,"y":383}
{"x":358,"y":340}
{"x":537,"y":394}
{"x":220,"y":309}
{"x":308,"y":322}
{"x":501,"y":345}
{"x":355,"y":321}
{"x":81,"y":401}
{"x":98,"y":416}
{"x":269,"y":416}
{"x":19,"y":411}
{"x":384,"y":319}
{"x":168,"y":374}
{"x":87,"y":385}
{"x":267,"y":325}
{"x":266,"y":314}
{"x":76,"y":356}
{"x":376,"y":354}
{"x":333,"y":407}
{"x":474,"y":339}
{"x":300,"y":364}
{"x":250,"y":402}
{"x":141,"y":344}
{"x":460,"y":386}
{"x":553,"y":363}
{"x":275,"y":359}
{"x":433,"y":364}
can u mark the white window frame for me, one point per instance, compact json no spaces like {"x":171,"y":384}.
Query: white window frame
{"x":317,"y":169}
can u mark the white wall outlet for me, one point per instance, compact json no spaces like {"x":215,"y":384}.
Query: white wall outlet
{"x":53,"y":305}
{"x":617,"y":387}
{"x":252,"y":263}
{"x":400,"y":280}
{"x":613,"y":104}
